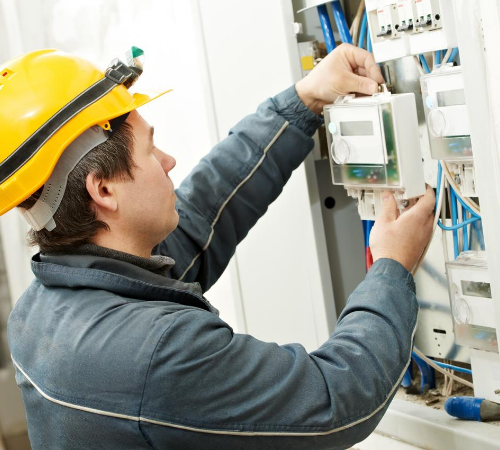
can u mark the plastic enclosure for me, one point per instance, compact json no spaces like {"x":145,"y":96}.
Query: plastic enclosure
{"x":410,"y":27}
{"x":471,"y":301}
{"x":486,"y":372}
{"x":446,"y":114}
{"x":374,"y":145}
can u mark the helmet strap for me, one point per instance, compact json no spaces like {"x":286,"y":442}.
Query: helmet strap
{"x":41,"y":214}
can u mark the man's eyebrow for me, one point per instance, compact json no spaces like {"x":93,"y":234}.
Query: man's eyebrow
{"x":151,"y":133}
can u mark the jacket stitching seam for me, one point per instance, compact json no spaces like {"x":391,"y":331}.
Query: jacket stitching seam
{"x":236,"y":189}
{"x":218,"y":204}
{"x":236,"y":185}
{"x":149,"y":366}
{"x":146,"y":436}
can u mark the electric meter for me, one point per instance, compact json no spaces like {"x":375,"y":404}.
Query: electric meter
{"x":446,"y":114}
{"x":374,"y":145}
{"x":471,"y":301}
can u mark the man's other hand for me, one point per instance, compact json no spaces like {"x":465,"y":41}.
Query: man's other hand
{"x":403,"y":237}
{"x":348,"y":69}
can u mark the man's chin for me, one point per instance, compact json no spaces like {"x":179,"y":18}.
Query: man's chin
{"x":170,"y":228}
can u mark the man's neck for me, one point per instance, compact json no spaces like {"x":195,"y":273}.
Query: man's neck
{"x":122,"y":244}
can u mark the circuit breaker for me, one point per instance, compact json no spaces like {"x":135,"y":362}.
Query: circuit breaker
{"x":410,"y":27}
{"x":373,"y":146}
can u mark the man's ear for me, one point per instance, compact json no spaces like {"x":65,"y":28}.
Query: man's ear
{"x":102,"y":192}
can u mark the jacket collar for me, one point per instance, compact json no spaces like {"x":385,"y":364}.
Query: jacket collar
{"x":119,"y":277}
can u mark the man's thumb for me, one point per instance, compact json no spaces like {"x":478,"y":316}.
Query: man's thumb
{"x":363,"y":85}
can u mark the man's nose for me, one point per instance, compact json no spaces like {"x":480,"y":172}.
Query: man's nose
{"x":170,"y":163}
{"x":167,"y":162}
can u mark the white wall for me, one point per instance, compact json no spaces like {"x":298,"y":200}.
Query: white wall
{"x":252,"y":54}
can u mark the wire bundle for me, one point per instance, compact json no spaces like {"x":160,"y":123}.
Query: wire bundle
{"x":461,"y":209}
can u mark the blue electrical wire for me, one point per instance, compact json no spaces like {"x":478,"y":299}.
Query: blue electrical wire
{"x":447,"y":366}
{"x":458,"y":225}
{"x":477,"y":233}
{"x":465,"y":209}
{"x":339,"y":16}
{"x":454,"y":222}
{"x":438,"y":187}
{"x":424,"y":64}
{"x":362,"y":32}
{"x":324,"y":19}
{"x":369,"y":45}
{"x":472,"y":213}
{"x":439,"y":56}
{"x":465,"y":232}
{"x":428,"y":376}
{"x":367,"y":228}
{"x":453,"y":55}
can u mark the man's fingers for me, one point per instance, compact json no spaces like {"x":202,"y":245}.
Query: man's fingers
{"x":361,"y":58}
{"x":426,"y":204}
{"x":361,"y":71}
{"x":373,"y":70}
{"x":363,"y":85}
{"x":390,"y":210}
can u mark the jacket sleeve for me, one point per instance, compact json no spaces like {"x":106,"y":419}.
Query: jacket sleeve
{"x":232,"y":187}
{"x":234,"y":391}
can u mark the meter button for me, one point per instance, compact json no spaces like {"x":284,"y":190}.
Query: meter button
{"x":340,"y":151}
{"x":332,"y":128}
{"x":437,"y":123}
{"x":429,"y":101}
{"x":461,"y":311}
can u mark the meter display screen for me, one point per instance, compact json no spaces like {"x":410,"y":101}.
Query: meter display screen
{"x":476,"y":289}
{"x":357,"y":128}
{"x":451,"y":98}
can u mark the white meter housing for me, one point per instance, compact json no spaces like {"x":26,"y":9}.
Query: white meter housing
{"x":374,"y":146}
{"x":471,"y":301}
{"x":446,"y":114}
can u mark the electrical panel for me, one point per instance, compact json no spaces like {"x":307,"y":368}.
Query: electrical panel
{"x":486,"y":370}
{"x":410,"y":27}
{"x":373,"y":146}
{"x":471,"y":301}
{"x":381,"y":143}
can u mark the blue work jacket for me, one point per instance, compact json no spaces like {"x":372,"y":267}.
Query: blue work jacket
{"x":111,"y":355}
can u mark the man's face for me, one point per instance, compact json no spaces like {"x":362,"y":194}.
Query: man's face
{"x":147,"y":204}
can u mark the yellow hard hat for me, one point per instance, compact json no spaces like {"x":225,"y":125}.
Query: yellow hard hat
{"x":47,"y":99}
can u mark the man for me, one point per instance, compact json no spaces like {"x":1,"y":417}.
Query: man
{"x":115,"y":348}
